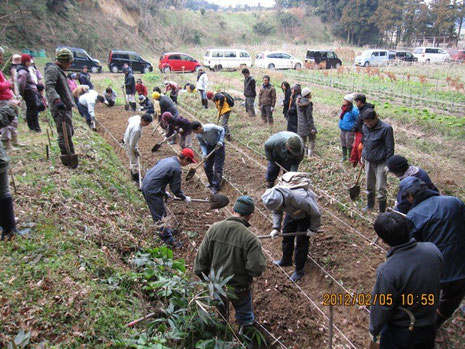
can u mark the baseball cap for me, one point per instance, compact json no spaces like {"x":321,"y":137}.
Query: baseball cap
{"x":188,"y":153}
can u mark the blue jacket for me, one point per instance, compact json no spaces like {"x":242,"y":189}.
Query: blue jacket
{"x":441,"y":220}
{"x":166,"y":171}
{"x":402,"y":204}
{"x":348,"y":120}
{"x":211,"y":136}
{"x":411,"y":268}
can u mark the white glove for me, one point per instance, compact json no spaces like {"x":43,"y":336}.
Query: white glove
{"x":386,"y":170}
{"x":311,"y":233}
{"x":106,"y":102}
{"x":219,"y":144}
{"x":272,"y":109}
{"x":136,"y":152}
{"x":168,"y":195}
{"x":188,"y":200}
{"x":180,"y":130}
{"x":274,"y":233}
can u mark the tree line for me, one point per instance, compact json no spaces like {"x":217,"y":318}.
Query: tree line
{"x":386,"y":22}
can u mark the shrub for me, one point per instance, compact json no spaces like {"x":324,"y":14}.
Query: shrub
{"x":263,"y":28}
{"x":202,"y":11}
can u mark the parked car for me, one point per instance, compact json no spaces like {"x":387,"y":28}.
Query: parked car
{"x":277,"y":60}
{"x":225,"y":58}
{"x":318,"y":56}
{"x":406,"y":56}
{"x":81,"y":59}
{"x":177,"y":61}
{"x":457,"y":55}
{"x":431,"y":55}
{"x":117,"y":58}
{"x":372,"y":58}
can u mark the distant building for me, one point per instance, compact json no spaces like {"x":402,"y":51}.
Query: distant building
{"x":435,"y":41}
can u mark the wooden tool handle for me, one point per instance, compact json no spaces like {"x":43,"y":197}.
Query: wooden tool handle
{"x":206,"y":157}
{"x":359,"y":174}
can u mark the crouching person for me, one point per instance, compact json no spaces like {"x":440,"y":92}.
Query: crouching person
{"x":166,"y":171}
{"x":293,"y":197}
{"x":131,"y":141}
{"x":232,"y":246}
{"x":407,"y":288}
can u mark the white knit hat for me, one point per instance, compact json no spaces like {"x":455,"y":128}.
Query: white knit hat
{"x":306,"y":91}
{"x":349,"y":97}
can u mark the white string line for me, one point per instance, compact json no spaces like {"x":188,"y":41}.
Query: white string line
{"x":326,"y":210}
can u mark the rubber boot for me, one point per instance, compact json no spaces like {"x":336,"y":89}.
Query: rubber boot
{"x":7,"y":145}
{"x":205,"y":103}
{"x":15,"y":142}
{"x":297,"y":275}
{"x":370,"y":203}
{"x":344,"y":154}
{"x":135,"y":177}
{"x":133,"y":106}
{"x":349,"y":152}
{"x":382,"y":206}
{"x":269,"y":184}
{"x":7,"y":219}
{"x":283,"y":262}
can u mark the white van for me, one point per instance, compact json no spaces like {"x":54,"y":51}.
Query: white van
{"x":226,"y":58}
{"x":431,"y":55}
{"x":277,"y":60}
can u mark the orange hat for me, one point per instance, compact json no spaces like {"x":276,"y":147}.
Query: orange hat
{"x":188,"y":153}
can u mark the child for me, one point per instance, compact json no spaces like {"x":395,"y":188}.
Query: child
{"x":110,"y":97}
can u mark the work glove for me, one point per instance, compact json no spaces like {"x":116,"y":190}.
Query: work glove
{"x":180,"y":130}
{"x":274,"y":233}
{"x":386,"y":170}
{"x":374,"y":339}
{"x":60,"y":105}
{"x":188,"y":200}
{"x":136,"y":152}
{"x":311,"y":233}
{"x":219,"y":144}
{"x":272,"y":109}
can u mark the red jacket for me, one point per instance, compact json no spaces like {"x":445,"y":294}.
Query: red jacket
{"x":141,"y":89}
{"x":5,"y":89}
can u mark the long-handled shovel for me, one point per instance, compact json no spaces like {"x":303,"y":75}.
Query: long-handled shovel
{"x":286,"y":234}
{"x":140,"y":172}
{"x":155,"y":128}
{"x":126,"y":103}
{"x":158,"y":145}
{"x":69,"y":159}
{"x":354,"y":192}
{"x":191,"y":172}
{"x":216,"y":201}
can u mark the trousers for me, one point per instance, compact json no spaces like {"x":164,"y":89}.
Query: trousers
{"x":451,"y":296}
{"x":292,"y":225}
{"x":376,"y":177}
{"x":393,"y":337}
{"x":65,"y":116}
{"x":32,"y":114}
{"x":267,"y":114}
{"x":224,"y":122}
{"x":242,"y":306}
{"x":249,"y":106}
{"x":133,"y":159}
{"x":214,"y":166}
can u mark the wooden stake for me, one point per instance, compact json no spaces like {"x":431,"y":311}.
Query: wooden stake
{"x":13,"y":180}
{"x":331,"y":314}
{"x":49,"y":142}
{"x":46,"y":152}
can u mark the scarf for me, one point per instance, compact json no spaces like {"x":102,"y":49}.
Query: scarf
{"x":344,"y":109}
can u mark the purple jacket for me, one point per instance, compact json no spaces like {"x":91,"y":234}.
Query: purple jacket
{"x":25,"y":81}
{"x":178,"y":122}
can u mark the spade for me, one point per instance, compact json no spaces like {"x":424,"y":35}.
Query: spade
{"x":216,"y":201}
{"x":70,"y":160}
{"x":158,"y":145}
{"x":191,"y":172}
{"x":126,"y":104}
{"x":354,"y":192}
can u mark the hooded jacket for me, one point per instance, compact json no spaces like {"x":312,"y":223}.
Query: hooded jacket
{"x":276,"y":150}
{"x":166,"y":104}
{"x":5,"y":89}
{"x":178,"y":122}
{"x":359,"y":122}
{"x":129,"y":83}
{"x":221,"y":104}
{"x":305,"y":123}
{"x":347,"y":123}
{"x":267,"y":96}
{"x":441,"y":220}
{"x":233,"y":247}
{"x":25,"y":81}
{"x":56,"y":87}
{"x":211,"y":136}
{"x":7,"y":114}
{"x":297,"y":203}
{"x":378,"y":142}
{"x":250,"y":87}
{"x":84,"y":79}
{"x":166,"y":171}
{"x":133,"y":132}
{"x":202,"y":82}
{"x":413,"y":268}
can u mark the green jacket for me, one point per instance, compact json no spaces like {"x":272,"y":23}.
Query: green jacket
{"x":7,"y":114}
{"x":56,"y":87}
{"x":275,"y":150}
{"x":230,"y":244}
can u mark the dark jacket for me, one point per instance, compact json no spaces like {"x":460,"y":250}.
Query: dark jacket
{"x":229,"y":244}
{"x":441,"y":220}
{"x":7,"y":115}
{"x":275,"y":150}
{"x":56,"y":87}
{"x":305,"y":123}
{"x":84,"y":79}
{"x":178,"y":122}
{"x":166,"y":171}
{"x":286,"y":101}
{"x":292,"y":114}
{"x":378,"y":142}
{"x":250,"y":87}
{"x":25,"y":81}
{"x":402,"y":204}
{"x":359,"y":122}
{"x":411,"y":268}
{"x":130,"y":83}
{"x":267,"y":95}
{"x":166,"y":104}
{"x":147,"y":106}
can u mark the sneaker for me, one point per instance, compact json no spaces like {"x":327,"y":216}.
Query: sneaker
{"x":282,"y":263}
{"x":297,"y":275}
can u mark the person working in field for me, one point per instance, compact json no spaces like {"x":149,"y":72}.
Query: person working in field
{"x":230,"y":245}
{"x":283,"y":149}
{"x":166,"y":171}
{"x":293,"y":197}
{"x":223,"y":104}
{"x":180,"y":125}
{"x":174,"y":90}
{"x":131,"y":141}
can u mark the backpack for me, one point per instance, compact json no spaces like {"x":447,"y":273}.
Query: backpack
{"x":293,"y":180}
{"x":229,"y":99}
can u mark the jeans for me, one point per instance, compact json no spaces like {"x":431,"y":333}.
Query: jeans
{"x":224,"y":122}
{"x":393,"y":337}
{"x":214,"y":166}
{"x":84,"y":111}
{"x":243,"y":307}
{"x":157,"y":209}
{"x":203,"y":94}
{"x":292,"y":225}
{"x":272,"y":172}
{"x":249,"y":106}
{"x":65,"y":116}
{"x":451,"y":296}
{"x":185,"y":141}
{"x":376,"y":177}
{"x":267,"y":114}
{"x":32,"y":114}
{"x":174,"y":97}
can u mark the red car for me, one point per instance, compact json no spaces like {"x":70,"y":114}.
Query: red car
{"x":178,"y":61}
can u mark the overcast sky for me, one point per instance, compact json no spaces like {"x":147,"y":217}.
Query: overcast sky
{"x":226,"y":3}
